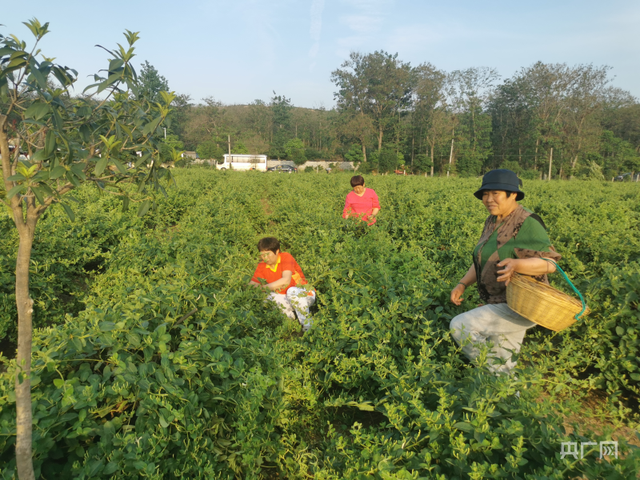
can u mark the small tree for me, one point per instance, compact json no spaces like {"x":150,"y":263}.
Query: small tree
{"x":240,"y":148}
{"x":294,"y":149}
{"x":354,"y":154}
{"x":151,"y":82}
{"x":69,"y":141}
{"x":388,"y":160}
{"x":209,"y":150}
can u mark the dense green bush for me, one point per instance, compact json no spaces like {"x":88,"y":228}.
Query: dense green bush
{"x":135,"y":389}
{"x":167,"y":366}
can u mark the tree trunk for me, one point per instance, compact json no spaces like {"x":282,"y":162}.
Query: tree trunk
{"x":413,"y":141}
{"x":26,"y":228}
{"x":432,"y":159}
{"x":380,"y":139}
{"x":398,"y":135}
{"x":574,"y":162}
{"x":364,"y":153}
{"x":24,"y":421}
{"x":450,"y":158}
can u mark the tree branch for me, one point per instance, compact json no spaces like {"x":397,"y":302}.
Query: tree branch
{"x":49,"y":200}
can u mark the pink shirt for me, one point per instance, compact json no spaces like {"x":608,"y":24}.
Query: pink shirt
{"x":356,"y":206}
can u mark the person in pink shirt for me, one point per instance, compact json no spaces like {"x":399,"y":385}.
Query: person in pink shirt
{"x":361,"y":202}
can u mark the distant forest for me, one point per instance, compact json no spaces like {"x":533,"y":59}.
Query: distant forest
{"x":389,"y":115}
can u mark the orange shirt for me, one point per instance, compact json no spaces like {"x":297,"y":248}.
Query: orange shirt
{"x":285,"y":262}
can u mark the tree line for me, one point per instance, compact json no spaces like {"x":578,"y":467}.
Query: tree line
{"x":547,"y":118}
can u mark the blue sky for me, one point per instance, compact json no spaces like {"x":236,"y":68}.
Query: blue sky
{"x":241,"y":50}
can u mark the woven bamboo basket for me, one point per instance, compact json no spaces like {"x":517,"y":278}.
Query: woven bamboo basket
{"x":543,"y":304}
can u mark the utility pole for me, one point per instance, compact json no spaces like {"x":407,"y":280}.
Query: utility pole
{"x":450,"y":155}
{"x":413,"y":140}
{"x":550,"y":162}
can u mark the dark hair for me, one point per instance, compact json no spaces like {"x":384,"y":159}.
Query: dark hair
{"x":357,"y":180}
{"x":269,"y":243}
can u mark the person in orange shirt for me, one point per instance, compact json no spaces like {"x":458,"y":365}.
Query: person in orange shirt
{"x":284,"y":278}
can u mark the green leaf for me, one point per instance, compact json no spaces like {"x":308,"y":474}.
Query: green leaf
{"x":15,"y":64}
{"x":144,"y":208}
{"x":151,"y":126}
{"x":40,"y":156}
{"x":46,"y":189}
{"x":109,"y":81}
{"x":58,"y":382}
{"x":100,"y":166}
{"x":57,"y":172}
{"x":72,"y":179}
{"x":63,"y":76}
{"x":119,"y":165}
{"x":39,"y":77}
{"x":109,"y":428}
{"x":464,"y":426}
{"x":50,"y":142}
{"x":620,"y":330}
{"x":37,"y":110}
{"x":125,"y":204}
{"x":18,"y":188}
{"x":78,"y":170}
{"x":38,"y":193}
{"x":115,"y":64}
{"x":70,"y":213}
{"x":40,"y":176}
{"x":163,"y":422}
{"x":106,"y":326}
{"x":143,"y":160}
{"x":57,"y":120}
{"x":18,"y":177}
{"x":4,"y":88}
{"x":77,"y":344}
{"x":85,"y":133}
{"x":110,"y":468}
{"x":6,"y":51}
{"x":96,"y":466}
{"x":84,"y":112}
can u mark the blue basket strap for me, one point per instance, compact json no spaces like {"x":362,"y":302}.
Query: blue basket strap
{"x":584,"y":304}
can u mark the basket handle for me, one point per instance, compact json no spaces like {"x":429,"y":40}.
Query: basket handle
{"x":584,"y":304}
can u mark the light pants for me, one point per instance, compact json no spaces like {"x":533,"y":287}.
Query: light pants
{"x":296,"y":299}
{"x":491,"y":323}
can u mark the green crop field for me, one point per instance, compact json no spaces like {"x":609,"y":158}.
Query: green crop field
{"x":153,"y":359}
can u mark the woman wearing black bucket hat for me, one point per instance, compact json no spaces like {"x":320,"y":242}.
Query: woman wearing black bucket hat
{"x":513,"y":240}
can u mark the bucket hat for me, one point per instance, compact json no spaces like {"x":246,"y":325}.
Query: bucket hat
{"x":501,"y":179}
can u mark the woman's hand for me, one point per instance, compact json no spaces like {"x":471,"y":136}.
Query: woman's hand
{"x":456,"y":294}
{"x":526,"y":266}
{"x":468,"y":279}
{"x":509,"y":268}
